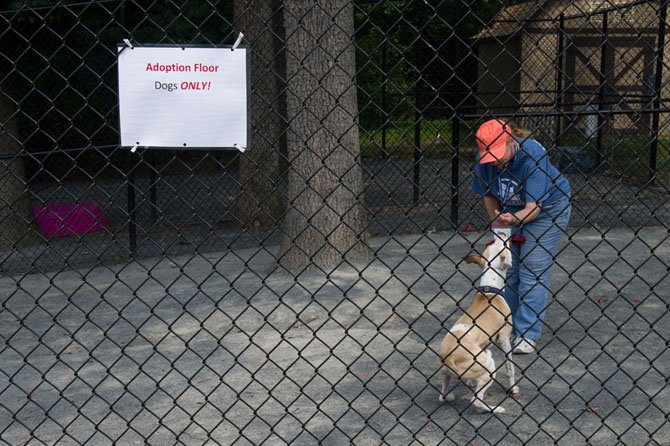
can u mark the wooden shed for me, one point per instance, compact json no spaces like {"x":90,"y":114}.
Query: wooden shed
{"x":573,"y":67}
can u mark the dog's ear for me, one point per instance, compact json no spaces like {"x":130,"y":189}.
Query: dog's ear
{"x":475,"y":258}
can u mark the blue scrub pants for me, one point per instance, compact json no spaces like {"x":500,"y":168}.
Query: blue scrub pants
{"x":529,"y":278}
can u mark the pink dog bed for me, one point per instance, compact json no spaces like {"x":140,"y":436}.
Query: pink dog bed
{"x":63,"y":219}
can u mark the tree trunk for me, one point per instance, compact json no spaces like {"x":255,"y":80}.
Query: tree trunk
{"x":326,"y":220}
{"x":260,"y":204}
{"x":15,"y":213}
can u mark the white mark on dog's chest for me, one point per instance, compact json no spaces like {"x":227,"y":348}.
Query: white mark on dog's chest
{"x":460,"y":327}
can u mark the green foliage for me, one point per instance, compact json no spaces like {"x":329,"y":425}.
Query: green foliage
{"x":663,"y":163}
{"x":398,"y":138}
{"x":203,"y":22}
{"x":14,"y":5}
{"x":405,"y":47}
{"x":121,"y":256}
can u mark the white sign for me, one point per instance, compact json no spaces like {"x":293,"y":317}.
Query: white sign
{"x":504,"y":233}
{"x":183,"y":97}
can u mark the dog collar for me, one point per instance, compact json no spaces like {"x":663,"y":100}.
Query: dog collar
{"x":489,"y":289}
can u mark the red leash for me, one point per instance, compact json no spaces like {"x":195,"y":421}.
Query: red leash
{"x":518,"y":239}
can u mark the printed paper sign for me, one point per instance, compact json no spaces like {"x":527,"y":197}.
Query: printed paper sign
{"x":504,"y":233}
{"x":183,"y":97}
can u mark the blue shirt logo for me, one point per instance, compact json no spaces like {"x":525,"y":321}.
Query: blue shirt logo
{"x":508,"y":193}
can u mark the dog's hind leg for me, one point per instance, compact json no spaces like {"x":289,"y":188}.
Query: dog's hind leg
{"x":444,"y":396}
{"x":483,"y":384}
{"x":478,"y":398}
{"x":506,"y":345}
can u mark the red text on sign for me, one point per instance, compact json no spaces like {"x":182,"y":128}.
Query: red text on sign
{"x":188,"y":85}
{"x":206,"y":68}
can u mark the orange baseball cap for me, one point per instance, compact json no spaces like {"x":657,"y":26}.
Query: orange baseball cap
{"x":492,"y":138}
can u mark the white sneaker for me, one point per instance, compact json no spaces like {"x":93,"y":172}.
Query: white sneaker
{"x":524,"y":346}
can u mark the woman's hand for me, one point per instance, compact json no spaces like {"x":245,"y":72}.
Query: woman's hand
{"x":525,"y":215}
{"x":506,"y":219}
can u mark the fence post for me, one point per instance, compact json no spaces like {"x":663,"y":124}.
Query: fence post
{"x":455,"y":168}
{"x":384,"y":105}
{"x":658,"y":86}
{"x":153,"y":195}
{"x":559,"y":79}
{"x":417,"y":157}
{"x":417,"y":104}
{"x":130,"y":166}
{"x":601,"y":91}
{"x":132,"y":212}
{"x":456,"y":129}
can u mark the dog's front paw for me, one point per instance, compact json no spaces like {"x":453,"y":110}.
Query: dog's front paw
{"x":514,"y":392}
{"x":485,"y":408}
{"x":448,"y":398}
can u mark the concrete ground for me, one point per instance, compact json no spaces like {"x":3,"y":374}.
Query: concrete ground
{"x":219,"y":348}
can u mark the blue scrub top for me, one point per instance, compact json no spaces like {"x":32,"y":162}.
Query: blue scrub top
{"x":528,"y":178}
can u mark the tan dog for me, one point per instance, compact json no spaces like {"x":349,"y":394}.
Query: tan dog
{"x":463,"y":352}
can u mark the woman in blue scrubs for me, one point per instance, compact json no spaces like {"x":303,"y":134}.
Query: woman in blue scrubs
{"x":522,"y":189}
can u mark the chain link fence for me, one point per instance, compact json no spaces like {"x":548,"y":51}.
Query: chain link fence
{"x":298,"y":292}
